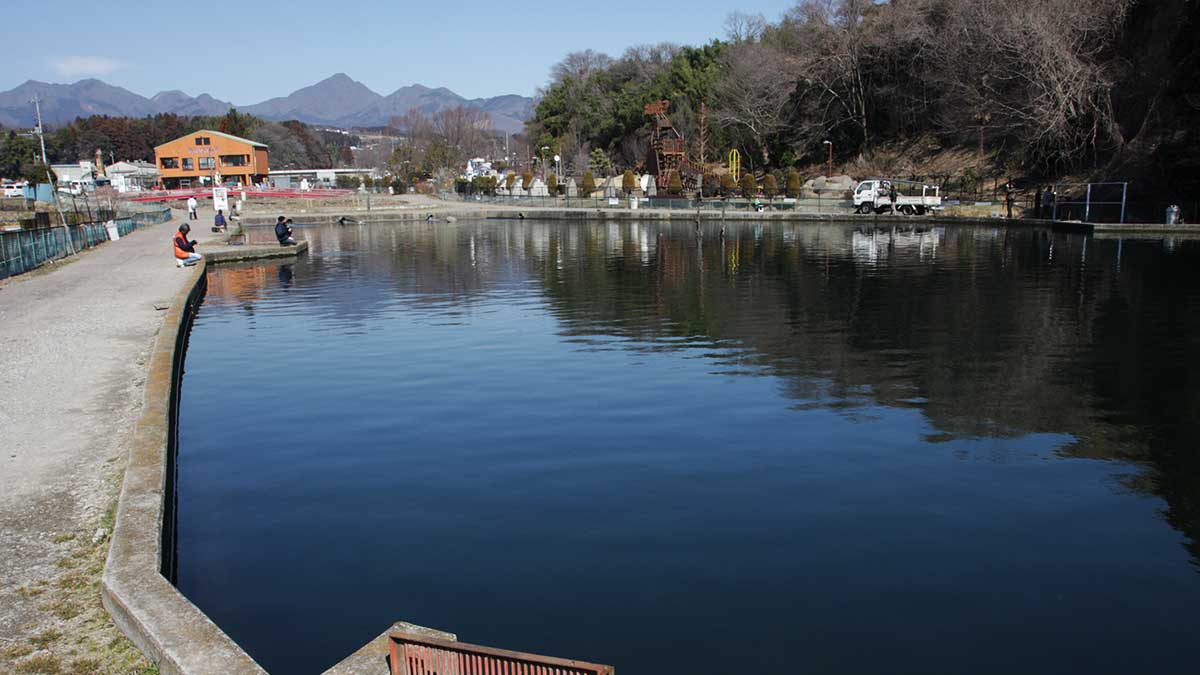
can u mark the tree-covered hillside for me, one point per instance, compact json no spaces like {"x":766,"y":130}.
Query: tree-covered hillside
{"x":1038,"y":86}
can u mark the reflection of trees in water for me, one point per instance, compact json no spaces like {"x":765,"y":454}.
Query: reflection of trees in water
{"x":989,"y":332}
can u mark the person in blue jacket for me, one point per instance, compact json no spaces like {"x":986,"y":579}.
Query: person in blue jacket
{"x":283,"y":231}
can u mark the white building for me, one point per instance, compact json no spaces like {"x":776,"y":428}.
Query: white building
{"x":478,"y":167}
{"x":133,"y":176}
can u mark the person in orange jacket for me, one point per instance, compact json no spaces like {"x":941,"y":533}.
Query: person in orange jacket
{"x":185,"y":251}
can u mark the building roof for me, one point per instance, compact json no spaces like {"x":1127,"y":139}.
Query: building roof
{"x":132,"y":167}
{"x":222,"y":134}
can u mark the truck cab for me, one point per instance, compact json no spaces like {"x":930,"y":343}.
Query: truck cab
{"x":868,"y":194}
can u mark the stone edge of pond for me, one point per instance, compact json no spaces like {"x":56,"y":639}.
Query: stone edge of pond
{"x":218,"y":255}
{"x":580,"y":214}
{"x":174,"y":633}
{"x":151,"y":612}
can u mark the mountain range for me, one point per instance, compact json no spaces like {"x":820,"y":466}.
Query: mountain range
{"x":337,"y":101}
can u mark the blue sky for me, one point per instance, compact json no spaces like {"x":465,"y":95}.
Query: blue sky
{"x":246,"y":52}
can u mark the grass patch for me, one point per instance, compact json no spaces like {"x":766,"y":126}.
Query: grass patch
{"x":30,"y":591}
{"x":74,"y":580}
{"x":84,"y":666}
{"x":16,"y":651}
{"x":45,"y":638}
{"x":64,"y":609}
{"x":62,"y":538}
{"x":42,"y":664}
{"x":110,"y":517}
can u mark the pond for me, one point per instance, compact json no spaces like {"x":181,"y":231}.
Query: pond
{"x":784,"y":448}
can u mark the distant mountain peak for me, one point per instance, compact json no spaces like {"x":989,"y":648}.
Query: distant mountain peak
{"x":338,"y":100}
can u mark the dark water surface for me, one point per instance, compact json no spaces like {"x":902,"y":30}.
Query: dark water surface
{"x":800,"y":449}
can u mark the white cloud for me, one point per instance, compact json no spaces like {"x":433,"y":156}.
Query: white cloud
{"x":80,"y":66}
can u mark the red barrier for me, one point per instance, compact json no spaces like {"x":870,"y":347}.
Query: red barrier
{"x":234,"y":193}
{"x":417,"y":655}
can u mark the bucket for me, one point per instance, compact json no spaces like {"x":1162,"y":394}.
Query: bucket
{"x":113,"y":233}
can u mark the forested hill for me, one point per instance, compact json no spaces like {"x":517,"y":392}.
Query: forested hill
{"x":293,"y":144}
{"x":1046,"y":87}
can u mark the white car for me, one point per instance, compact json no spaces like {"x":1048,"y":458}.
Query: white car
{"x":14,"y":189}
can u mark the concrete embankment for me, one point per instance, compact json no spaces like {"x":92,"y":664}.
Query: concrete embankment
{"x":468,"y":212}
{"x":75,"y":338}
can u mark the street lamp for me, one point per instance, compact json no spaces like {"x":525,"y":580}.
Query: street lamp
{"x":829,"y":169}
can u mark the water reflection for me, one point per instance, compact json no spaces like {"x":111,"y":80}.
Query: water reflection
{"x":813,"y":375}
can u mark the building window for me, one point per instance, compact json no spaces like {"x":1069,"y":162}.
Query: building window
{"x":208,"y":162}
{"x":187,"y":163}
{"x":235,"y":160}
{"x":202,"y":140}
{"x":170,"y":163}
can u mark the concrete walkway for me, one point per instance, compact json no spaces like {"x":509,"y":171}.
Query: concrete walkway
{"x":74,"y":340}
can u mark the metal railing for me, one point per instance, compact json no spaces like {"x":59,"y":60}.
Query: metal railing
{"x":27,"y":249}
{"x":1089,"y":202}
{"x":412,"y":654}
{"x":813,"y":205}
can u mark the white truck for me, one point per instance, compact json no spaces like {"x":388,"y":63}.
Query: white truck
{"x":912,"y":197}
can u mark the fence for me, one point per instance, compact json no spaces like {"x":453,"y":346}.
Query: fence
{"x":26,"y":249}
{"x":815,"y":205}
{"x":417,"y":655}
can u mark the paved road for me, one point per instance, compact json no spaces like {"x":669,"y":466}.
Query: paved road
{"x":74,"y":343}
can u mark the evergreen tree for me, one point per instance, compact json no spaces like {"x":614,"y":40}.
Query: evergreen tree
{"x":552,"y":185}
{"x":770,"y":186}
{"x":599,"y":162}
{"x":749,"y":187}
{"x":793,"y":184}
{"x":629,"y":182}
{"x":675,"y":184}
{"x":727,"y":184}
{"x":589,"y":184}
{"x":527,"y":180}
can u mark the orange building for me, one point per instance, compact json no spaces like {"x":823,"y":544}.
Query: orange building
{"x":204,"y":157}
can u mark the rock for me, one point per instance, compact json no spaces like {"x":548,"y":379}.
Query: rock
{"x":99,"y":535}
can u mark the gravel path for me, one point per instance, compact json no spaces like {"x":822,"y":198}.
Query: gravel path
{"x":74,"y":342}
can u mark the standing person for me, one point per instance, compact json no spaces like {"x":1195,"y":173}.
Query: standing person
{"x":219,"y":221}
{"x":185,"y":251}
{"x":283,"y":231}
{"x":1008,"y":198}
{"x":892,"y":194}
{"x":192,"y":209}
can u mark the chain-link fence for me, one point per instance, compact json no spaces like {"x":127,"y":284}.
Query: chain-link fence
{"x":26,"y":249}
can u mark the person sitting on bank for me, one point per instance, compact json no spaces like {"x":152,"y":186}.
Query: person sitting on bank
{"x":283,"y":231}
{"x":219,"y":221}
{"x":185,"y":251}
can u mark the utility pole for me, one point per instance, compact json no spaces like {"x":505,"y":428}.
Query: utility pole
{"x":37,"y":109}
{"x":703,"y":143}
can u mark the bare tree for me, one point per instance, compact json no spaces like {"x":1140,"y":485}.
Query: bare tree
{"x":579,"y":65}
{"x":743,"y":27}
{"x":754,"y":94}
{"x":464,"y":129}
{"x":827,"y":44}
{"x":1044,"y":78}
